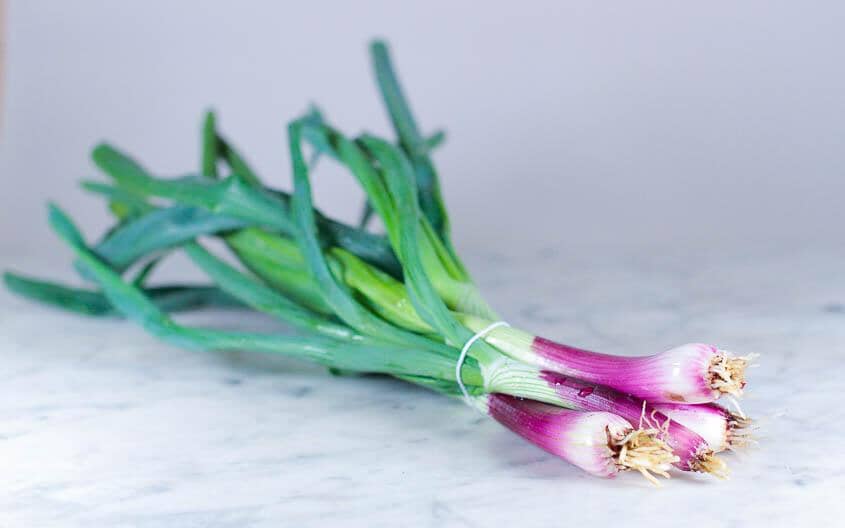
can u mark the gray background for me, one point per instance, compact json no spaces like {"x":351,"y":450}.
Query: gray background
{"x":622,"y":177}
{"x":645,"y":126}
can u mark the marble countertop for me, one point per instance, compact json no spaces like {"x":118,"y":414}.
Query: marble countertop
{"x":101,"y":425}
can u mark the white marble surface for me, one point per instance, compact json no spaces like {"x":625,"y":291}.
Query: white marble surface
{"x":100,"y":425}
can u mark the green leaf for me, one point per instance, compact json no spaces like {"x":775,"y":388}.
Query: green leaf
{"x":125,"y":298}
{"x":367,"y":211}
{"x":159,"y":230}
{"x":175,"y":298}
{"x":435,"y":141}
{"x":448,"y":276}
{"x":335,"y":294}
{"x":208,"y":166}
{"x":124,"y":204}
{"x":337,"y":146}
{"x":236,"y":198}
{"x":115,"y":163}
{"x":412,"y":142}
{"x":231,"y":196}
{"x":397,"y":172}
{"x":62,"y":225}
{"x":215,"y":147}
{"x":381,"y":293}
{"x":445,"y":387}
{"x":339,"y":354}
{"x":77,"y":300}
{"x":256,"y":295}
{"x":278,"y":262}
{"x":373,"y":248}
{"x":145,"y":272}
{"x":366,"y":214}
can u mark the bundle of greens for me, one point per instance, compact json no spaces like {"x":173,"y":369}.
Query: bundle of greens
{"x":400,"y":303}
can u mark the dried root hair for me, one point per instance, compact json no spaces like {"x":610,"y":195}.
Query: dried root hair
{"x":740,"y":431}
{"x":726,"y":373}
{"x":706,"y":461}
{"x":642,"y":450}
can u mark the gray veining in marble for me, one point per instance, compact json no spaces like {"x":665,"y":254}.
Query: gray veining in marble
{"x":100,"y":425}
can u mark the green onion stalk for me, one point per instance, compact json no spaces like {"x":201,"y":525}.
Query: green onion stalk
{"x":338,"y":347}
{"x":693,"y":373}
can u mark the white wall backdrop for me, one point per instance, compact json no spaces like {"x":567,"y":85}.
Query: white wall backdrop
{"x":643,"y":124}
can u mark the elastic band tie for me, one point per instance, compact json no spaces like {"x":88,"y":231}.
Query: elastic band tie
{"x":478,"y":335}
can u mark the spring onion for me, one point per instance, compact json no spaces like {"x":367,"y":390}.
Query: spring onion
{"x":693,"y":451}
{"x":721,"y":428}
{"x":600,"y":443}
{"x":400,"y":304}
{"x":692,"y":373}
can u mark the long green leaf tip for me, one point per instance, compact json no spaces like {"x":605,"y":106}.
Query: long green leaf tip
{"x":411,"y":140}
{"x":173,"y":298}
{"x":208,"y":166}
{"x":86,"y":302}
{"x":62,"y":225}
{"x":215,"y":147}
{"x":127,"y":299}
{"x":112,"y":161}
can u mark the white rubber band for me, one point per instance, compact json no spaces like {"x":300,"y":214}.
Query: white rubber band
{"x":478,"y":335}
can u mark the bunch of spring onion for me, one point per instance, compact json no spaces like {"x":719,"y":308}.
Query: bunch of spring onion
{"x":400,"y":303}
